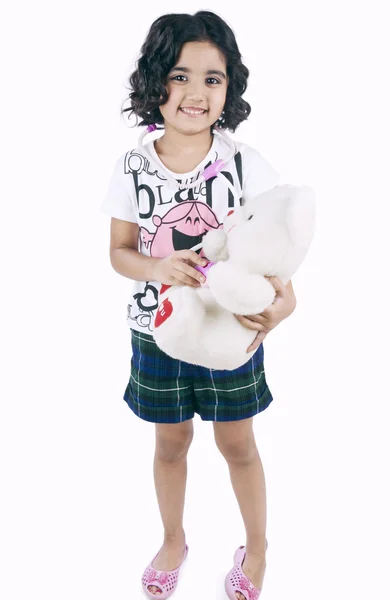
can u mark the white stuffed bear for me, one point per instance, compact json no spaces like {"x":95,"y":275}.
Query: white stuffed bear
{"x":270,"y":235}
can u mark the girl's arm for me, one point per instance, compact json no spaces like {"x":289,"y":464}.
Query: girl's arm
{"x":124,"y":255}
{"x":290,"y":287}
{"x":281,"y":308}
{"x":129,"y":262}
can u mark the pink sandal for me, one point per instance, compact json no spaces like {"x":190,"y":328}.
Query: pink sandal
{"x":237,"y":581}
{"x":165,"y":580}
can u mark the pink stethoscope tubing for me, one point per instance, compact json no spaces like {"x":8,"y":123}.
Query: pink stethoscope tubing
{"x":212,"y":171}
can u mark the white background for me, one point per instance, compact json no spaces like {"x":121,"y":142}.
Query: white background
{"x":79,"y":516}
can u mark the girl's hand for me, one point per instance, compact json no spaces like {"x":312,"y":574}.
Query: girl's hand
{"x":283,"y":305}
{"x":177,"y":269}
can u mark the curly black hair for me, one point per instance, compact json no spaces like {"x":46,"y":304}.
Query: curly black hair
{"x":160,"y":53}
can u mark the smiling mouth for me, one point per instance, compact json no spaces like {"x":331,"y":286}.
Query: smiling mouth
{"x":181,"y":241}
{"x":190,"y":112}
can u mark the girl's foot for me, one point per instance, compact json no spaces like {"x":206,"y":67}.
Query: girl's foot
{"x":254,"y":568}
{"x":168,"y":559}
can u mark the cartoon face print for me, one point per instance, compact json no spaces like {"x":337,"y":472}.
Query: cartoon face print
{"x":180,"y":229}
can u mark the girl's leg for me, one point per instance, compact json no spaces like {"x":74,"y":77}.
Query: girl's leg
{"x":170,"y":475}
{"x":236,"y":442}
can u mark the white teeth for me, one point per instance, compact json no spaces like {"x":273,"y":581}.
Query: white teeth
{"x":192,"y":112}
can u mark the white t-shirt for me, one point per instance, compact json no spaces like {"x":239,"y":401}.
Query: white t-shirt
{"x":169,"y":219}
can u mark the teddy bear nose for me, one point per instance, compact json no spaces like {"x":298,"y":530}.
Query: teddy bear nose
{"x":230,"y":213}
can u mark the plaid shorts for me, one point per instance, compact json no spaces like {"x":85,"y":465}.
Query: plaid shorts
{"x":165,"y":390}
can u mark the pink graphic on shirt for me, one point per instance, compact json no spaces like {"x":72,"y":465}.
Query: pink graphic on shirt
{"x":181,"y":228}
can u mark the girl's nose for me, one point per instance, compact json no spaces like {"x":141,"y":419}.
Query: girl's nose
{"x":196,"y":98}
{"x":195,"y":92}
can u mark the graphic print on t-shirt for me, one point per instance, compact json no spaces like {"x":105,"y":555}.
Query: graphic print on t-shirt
{"x":135,"y":162}
{"x":180,"y":228}
{"x":189,"y":216}
{"x":147,"y":302}
{"x":144,"y":191}
{"x":153,"y":196}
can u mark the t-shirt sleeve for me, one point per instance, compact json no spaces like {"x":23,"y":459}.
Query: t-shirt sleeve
{"x":119,"y":201}
{"x":258,"y":175}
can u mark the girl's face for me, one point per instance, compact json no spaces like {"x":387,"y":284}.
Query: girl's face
{"x":196,"y":87}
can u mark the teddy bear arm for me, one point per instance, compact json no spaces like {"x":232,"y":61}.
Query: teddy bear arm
{"x":214,"y":245}
{"x":238,"y":292}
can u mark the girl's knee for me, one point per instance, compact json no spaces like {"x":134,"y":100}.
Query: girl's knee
{"x":236,"y":445}
{"x":238,"y":451}
{"x":173,"y":440}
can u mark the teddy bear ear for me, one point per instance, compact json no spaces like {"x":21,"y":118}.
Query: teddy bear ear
{"x":300,"y":215}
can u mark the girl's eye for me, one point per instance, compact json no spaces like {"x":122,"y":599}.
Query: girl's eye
{"x":211,"y":80}
{"x":251,"y":217}
{"x":176,"y":76}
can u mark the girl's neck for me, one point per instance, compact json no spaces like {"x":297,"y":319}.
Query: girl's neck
{"x":173,"y":143}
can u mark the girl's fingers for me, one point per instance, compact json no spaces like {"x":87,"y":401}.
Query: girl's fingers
{"x":188,"y":271}
{"x":185,"y":279}
{"x":258,"y":319}
{"x":251,"y":324}
{"x":193,"y":257}
{"x":257,"y":341}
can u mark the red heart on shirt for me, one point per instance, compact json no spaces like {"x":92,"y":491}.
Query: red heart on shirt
{"x":163,"y":313}
{"x":164,"y":288}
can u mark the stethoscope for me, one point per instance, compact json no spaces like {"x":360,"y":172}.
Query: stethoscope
{"x":212,"y":171}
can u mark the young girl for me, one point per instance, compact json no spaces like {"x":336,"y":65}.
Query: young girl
{"x":190,"y":80}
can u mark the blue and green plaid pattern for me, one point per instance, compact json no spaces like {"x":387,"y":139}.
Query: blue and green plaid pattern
{"x":165,"y":390}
